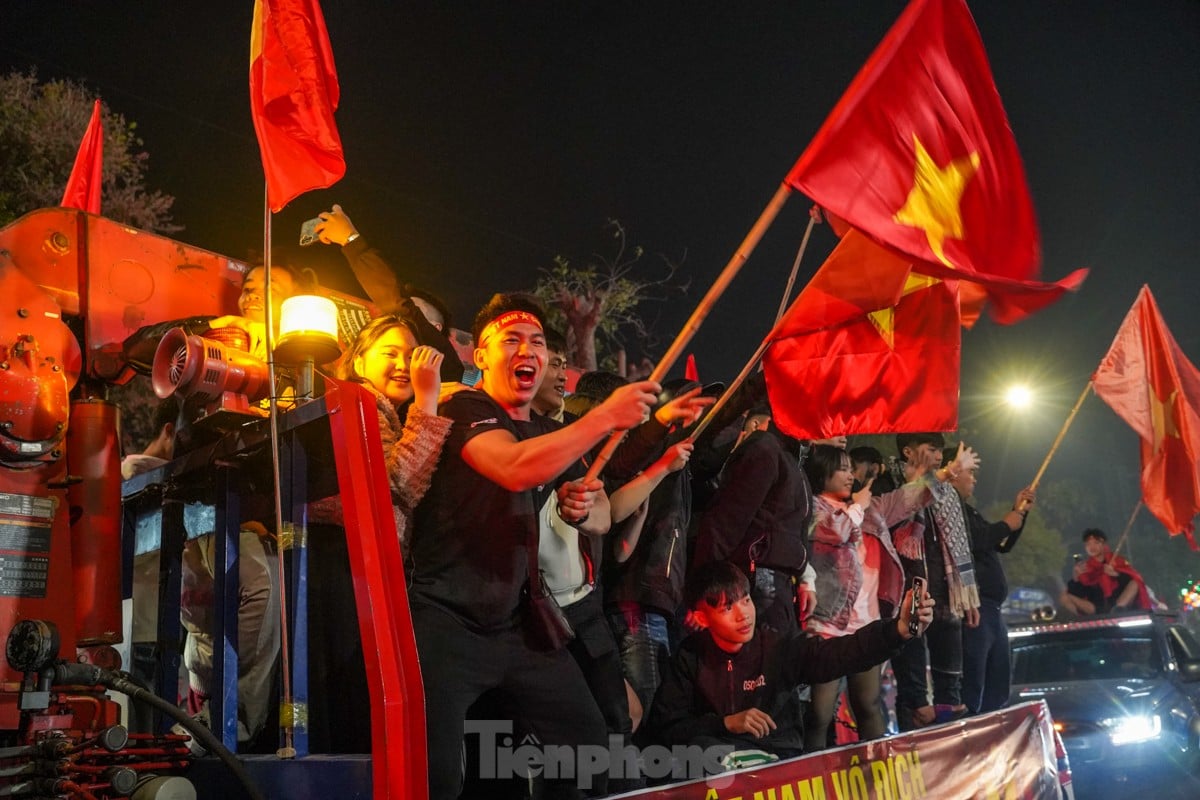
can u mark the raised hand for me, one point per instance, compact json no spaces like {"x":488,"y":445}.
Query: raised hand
{"x":966,"y":460}
{"x":863,"y":495}
{"x":424,"y":371}
{"x":335,"y":227}
{"x":678,"y":455}
{"x":684,"y":409}
{"x":1025,"y":498}
{"x":629,"y":405}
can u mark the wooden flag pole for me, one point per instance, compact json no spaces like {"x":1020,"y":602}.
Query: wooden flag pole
{"x":733,"y":387}
{"x":787,"y":292}
{"x":1128,"y":527}
{"x":693,"y":324}
{"x":1061,"y":434}
{"x":756,"y":359}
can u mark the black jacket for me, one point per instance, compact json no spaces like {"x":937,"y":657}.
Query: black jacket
{"x":704,"y":684}
{"x":988,"y":541}
{"x":652,"y":577}
{"x":761,"y":511}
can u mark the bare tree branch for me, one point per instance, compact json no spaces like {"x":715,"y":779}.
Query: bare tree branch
{"x":600,"y":301}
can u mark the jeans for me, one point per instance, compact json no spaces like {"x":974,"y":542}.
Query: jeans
{"x":987,"y":674}
{"x":941,"y":650}
{"x":644,"y":639}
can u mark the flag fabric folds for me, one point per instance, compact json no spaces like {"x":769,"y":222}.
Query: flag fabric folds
{"x":83,"y":187}
{"x":869,"y":346}
{"x":918,"y":154}
{"x":293,"y":94}
{"x":1149,"y":382}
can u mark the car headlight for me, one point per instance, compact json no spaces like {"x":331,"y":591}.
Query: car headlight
{"x":1133,"y":729}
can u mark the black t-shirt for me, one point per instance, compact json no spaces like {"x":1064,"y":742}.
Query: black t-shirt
{"x":988,"y":541}
{"x":471,"y":536}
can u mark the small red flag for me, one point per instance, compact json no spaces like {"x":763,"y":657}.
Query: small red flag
{"x":918,"y":154}
{"x":293,"y":94}
{"x":1149,"y":382}
{"x":689,"y":370}
{"x":83,"y":187}
{"x":869,"y":346}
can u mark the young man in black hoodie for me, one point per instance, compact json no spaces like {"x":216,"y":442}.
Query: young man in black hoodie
{"x":732,"y":685}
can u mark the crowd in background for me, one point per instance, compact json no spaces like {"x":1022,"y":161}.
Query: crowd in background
{"x":725,"y":591}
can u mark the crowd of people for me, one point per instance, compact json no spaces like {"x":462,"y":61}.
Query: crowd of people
{"x":719,"y":592}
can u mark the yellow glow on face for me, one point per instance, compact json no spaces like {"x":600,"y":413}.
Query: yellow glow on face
{"x":1018,"y":396}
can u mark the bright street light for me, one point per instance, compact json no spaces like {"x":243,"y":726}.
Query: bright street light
{"x":1018,"y":396}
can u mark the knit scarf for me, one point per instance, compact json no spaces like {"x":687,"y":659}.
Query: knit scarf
{"x":947,"y":514}
{"x":951,"y":524}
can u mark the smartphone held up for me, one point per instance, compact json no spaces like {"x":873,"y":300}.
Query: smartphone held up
{"x":308,"y":231}
{"x":914,"y":609}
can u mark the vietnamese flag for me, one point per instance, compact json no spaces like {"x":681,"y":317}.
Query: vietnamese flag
{"x":1149,"y":382}
{"x":869,"y":346}
{"x":918,"y":154}
{"x":293,"y":94}
{"x":83,"y":187}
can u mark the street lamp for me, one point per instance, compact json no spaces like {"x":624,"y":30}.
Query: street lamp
{"x":1018,"y":396}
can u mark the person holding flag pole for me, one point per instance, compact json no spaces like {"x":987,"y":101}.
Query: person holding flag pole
{"x":919,"y":159}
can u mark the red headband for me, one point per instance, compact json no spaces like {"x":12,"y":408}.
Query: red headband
{"x":504,"y":320}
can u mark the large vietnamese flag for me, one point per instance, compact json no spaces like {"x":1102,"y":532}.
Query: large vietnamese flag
{"x":869,"y":346}
{"x":918,"y":154}
{"x":83,"y":186}
{"x":1151,"y":384}
{"x":293,"y":94}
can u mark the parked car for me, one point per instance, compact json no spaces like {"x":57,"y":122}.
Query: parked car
{"x":1124,"y":692}
{"x":1025,"y":604}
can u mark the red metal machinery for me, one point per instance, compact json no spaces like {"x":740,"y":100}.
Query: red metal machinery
{"x":73,"y":287}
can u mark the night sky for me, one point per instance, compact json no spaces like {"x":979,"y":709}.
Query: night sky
{"x":482,"y":139}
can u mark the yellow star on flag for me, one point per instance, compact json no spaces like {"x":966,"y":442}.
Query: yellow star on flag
{"x":1162,"y":418}
{"x":933,"y":202}
{"x":884,"y":319}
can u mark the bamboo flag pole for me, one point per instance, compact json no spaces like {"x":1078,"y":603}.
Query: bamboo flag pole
{"x":1061,"y":434}
{"x":1128,"y":527}
{"x":787,"y":292}
{"x":693,"y":324}
{"x":733,"y":387}
{"x":762,"y":348}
